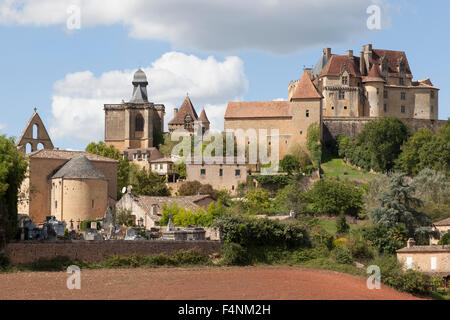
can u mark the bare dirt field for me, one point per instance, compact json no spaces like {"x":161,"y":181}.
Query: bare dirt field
{"x":261,"y":282}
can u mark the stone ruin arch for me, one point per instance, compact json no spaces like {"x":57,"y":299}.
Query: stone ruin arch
{"x":28,"y":135}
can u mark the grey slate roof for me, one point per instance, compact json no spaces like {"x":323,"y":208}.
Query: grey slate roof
{"x":139,"y":87}
{"x":319,"y":65}
{"x":79,"y":168}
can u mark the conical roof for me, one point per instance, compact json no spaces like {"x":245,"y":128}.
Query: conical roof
{"x":203,"y":117}
{"x":139,"y":87}
{"x":186,"y":108}
{"x":79,"y":168}
{"x":374,"y":75}
{"x":305,"y":88}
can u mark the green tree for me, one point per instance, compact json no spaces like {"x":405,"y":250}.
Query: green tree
{"x":124,"y":217}
{"x":123,"y":169}
{"x":377,"y":146}
{"x":342,"y":226}
{"x":180,"y":169}
{"x":426,"y":149}
{"x":398,"y":205}
{"x":13,"y":167}
{"x":192,"y":188}
{"x":290,"y":197}
{"x":334,"y":196}
{"x":148,"y":183}
{"x":257,"y":201}
{"x":313,"y":143}
{"x":290,"y":164}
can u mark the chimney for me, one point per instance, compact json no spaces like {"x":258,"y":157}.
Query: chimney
{"x":175,"y":111}
{"x":361,"y":63}
{"x":327,"y":53}
{"x":410,"y":243}
{"x":350,"y":53}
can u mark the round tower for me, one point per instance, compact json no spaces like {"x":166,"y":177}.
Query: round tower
{"x":374,"y":85}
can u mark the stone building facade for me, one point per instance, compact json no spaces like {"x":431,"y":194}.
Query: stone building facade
{"x":291,"y":118}
{"x":441,"y":227}
{"x":374,"y":84}
{"x":132,"y":125}
{"x":35,"y":197}
{"x":79,"y":191}
{"x":34,"y":136}
{"x":429,"y":259}
{"x":147,"y":210}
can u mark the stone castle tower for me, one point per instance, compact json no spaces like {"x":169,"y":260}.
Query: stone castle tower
{"x":132,"y":124}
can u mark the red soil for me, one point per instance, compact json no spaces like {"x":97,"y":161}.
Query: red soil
{"x":203,"y":283}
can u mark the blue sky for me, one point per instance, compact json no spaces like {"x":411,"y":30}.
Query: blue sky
{"x":38,"y":54}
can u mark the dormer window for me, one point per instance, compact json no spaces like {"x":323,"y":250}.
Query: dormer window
{"x":344,"y":80}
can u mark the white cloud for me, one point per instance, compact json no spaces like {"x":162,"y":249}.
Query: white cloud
{"x":277,"y":26}
{"x":77,"y":102}
{"x":2,"y":127}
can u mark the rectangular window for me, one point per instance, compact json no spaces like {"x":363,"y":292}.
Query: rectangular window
{"x":385,"y":94}
{"x":220,"y":172}
{"x":378,"y":90}
{"x":403,"y":96}
{"x":433,"y":263}
{"x":307,"y":113}
{"x":402,"y":109}
{"x":401,"y":81}
{"x":203,"y":172}
{"x":237,"y":172}
{"x":92,"y":203}
{"x":432,"y":109}
{"x":409,"y":262}
{"x":160,"y":166}
{"x":56,"y":204}
{"x":385,"y":107}
{"x":432,"y":94}
{"x":341,"y":94}
{"x":344,"y":80}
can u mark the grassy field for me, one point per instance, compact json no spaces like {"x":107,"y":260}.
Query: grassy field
{"x":338,"y":168}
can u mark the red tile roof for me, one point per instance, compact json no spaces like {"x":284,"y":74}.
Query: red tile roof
{"x":336,"y":64}
{"x":203,"y":116}
{"x":186,"y":108}
{"x":258,"y":109}
{"x":392,"y":57}
{"x":305,"y":89}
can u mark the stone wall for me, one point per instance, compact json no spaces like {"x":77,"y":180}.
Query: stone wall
{"x":333,"y":126}
{"x":96,"y":251}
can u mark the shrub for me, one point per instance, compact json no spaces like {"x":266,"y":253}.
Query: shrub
{"x":416,"y":282}
{"x":313,"y":143}
{"x":56,"y":264}
{"x":199,"y":217}
{"x":382,"y":239}
{"x":192,"y":188}
{"x":4,"y":261}
{"x":334,"y":196}
{"x":234,"y":254}
{"x":342,"y":226}
{"x":445,"y":239}
{"x":342,"y":255}
{"x":340,"y":242}
{"x":290,"y":164}
{"x":262,"y":232}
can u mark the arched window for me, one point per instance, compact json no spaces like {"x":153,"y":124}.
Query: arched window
{"x":139,"y":123}
{"x":307,"y":113}
{"x":40,"y":146}
{"x":35,"y":131}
